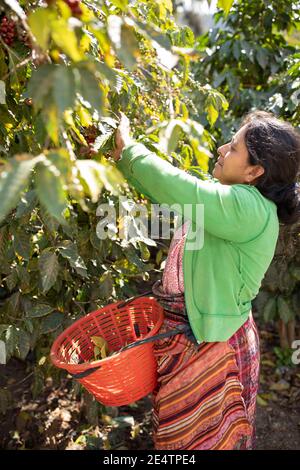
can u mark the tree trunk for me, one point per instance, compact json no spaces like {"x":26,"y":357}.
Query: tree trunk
{"x":291,"y":328}
{"x":284,"y":342}
{"x":286,"y":333}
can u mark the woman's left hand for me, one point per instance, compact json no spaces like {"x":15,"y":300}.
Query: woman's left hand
{"x":122,"y":136}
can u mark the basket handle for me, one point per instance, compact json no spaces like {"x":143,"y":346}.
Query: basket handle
{"x":182,"y":328}
{"x":130,"y":299}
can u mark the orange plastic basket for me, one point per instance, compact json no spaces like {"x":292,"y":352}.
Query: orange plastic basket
{"x":126,"y":376}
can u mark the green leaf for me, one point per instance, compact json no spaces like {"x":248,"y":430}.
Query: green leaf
{"x":225,"y":5}
{"x":39,"y":310}
{"x":50,"y":190}
{"x":13,"y":179}
{"x":262,"y":57}
{"x":2,"y":92}
{"x":51,"y":322}
{"x":52,"y":121}
{"x":49,"y":268}
{"x":285,"y":311}
{"x":65,"y":38}
{"x":122,"y":4}
{"x":236,"y":49}
{"x":27,"y":204}
{"x":129,"y":50}
{"x":26,"y":284}
{"x":3,"y":328}
{"x":90,"y":175}
{"x":69,"y":251}
{"x":116,"y":81}
{"x":169,"y":136}
{"x":62,"y":161}
{"x":64,"y":88}
{"x":11,"y":340}
{"x":22,"y":244}
{"x":12,"y":280}
{"x":4,"y":240}
{"x":40,"y":84}
{"x":270,"y":309}
{"x":212,"y":114}
{"x":39,"y":22}
{"x":90,"y":90}
{"x":105,"y":285}
{"x":23,"y":346}
{"x":260,"y":401}
{"x":145,"y":253}
{"x":123,"y":37}
{"x":153,"y":34}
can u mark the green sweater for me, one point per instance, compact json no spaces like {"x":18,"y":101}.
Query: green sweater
{"x":240,"y":234}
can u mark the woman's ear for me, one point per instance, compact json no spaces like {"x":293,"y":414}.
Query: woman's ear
{"x":255,"y":172}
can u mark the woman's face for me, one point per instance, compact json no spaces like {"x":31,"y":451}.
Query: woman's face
{"x":232,"y":166}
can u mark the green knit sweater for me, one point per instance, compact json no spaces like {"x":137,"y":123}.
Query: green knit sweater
{"x":241,"y":227}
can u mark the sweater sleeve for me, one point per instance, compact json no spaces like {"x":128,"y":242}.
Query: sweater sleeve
{"x":232,"y":212}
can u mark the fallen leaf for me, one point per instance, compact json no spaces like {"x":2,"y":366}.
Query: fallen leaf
{"x":261,"y":401}
{"x":280,"y":386}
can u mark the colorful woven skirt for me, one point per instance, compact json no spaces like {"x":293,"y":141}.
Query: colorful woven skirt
{"x":206,"y":393}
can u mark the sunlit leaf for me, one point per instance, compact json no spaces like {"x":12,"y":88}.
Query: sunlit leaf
{"x":69,"y":251}
{"x":49,"y":269}
{"x":122,"y":4}
{"x":65,"y":38}
{"x":13,"y":179}
{"x":39,"y":22}
{"x":225,"y":5}
{"x":90,"y":174}
{"x":23,"y":345}
{"x":212,"y":114}
{"x":90,"y":90}
{"x":50,"y":190}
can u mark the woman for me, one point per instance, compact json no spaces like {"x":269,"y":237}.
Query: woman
{"x":209,"y":376}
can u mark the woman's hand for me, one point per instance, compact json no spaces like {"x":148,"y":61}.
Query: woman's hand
{"x":122,"y":136}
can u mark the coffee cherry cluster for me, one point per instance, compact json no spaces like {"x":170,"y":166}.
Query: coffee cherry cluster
{"x":75,"y":7}
{"x":91,"y":134}
{"x":7,"y":30}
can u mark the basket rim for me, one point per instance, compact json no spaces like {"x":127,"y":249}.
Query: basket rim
{"x":87,"y":365}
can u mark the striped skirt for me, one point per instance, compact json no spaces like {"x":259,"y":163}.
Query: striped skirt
{"x":206,"y":394}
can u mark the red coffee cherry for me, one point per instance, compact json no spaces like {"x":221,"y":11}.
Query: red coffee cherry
{"x":75,"y":7}
{"x":7,"y":30}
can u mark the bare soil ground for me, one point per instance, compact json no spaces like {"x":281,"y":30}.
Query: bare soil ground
{"x":57,"y":419}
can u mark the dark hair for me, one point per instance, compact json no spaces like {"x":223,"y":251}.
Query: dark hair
{"x":275,"y":145}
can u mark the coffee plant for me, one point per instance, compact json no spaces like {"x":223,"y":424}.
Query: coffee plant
{"x":66,"y":70}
